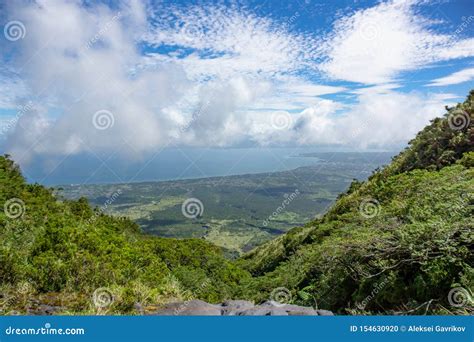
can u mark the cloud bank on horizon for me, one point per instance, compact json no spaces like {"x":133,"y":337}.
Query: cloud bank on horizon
{"x":140,"y":76}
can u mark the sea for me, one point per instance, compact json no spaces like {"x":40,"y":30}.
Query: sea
{"x":166,"y":164}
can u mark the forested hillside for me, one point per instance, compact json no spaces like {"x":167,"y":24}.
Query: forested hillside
{"x":402,"y":242}
{"x":71,"y":257}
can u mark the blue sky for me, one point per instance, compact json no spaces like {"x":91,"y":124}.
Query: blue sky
{"x":134,"y":77}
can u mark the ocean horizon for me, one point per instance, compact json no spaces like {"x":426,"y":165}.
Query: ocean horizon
{"x":171,"y":165}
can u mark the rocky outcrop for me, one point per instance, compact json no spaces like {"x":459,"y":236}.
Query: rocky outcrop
{"x":235,"y":308}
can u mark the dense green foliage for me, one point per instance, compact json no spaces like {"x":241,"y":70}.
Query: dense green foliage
{"x":62,"y":247}
{"x":441,"y":143}
{"x":397,"y":243}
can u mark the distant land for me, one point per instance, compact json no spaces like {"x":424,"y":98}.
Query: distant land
{"x":238,"y":212}
{"x":169,"y":164}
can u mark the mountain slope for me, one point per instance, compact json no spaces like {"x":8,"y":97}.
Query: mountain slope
{"x":398,"y":243}
{"x":401,"y":242}
{"x":65,"y":254}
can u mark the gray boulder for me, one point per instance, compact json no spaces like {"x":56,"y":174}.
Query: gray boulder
{"x":324,"y":313}
{"x":263,"y":311}
{"x":291,"y":310}
{"x":236,"y":308}
{"x":190,"y":308}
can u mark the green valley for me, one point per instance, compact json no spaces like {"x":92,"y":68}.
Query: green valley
{"x":238,"y":212}
{"x":400,"y":242}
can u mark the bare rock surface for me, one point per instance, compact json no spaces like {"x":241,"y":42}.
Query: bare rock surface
{"x":190,"y":308}
{"x":235,"y":308}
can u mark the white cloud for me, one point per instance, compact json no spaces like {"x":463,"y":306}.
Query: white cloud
{"x":84,"y":57}
{"x":380,"y":119}
{"x":12,"y":88}
{"x":235,"y":42}
{"x":376,"y":45}
{"x":215,"y":78}
{"x":378,"y":89}
{"x":386,"y":119}
{"x":461,"y":76}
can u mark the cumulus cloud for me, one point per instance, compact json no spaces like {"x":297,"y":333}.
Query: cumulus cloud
{"x":377,"y":119}
{"x":104,"y":77}
{"x":387,"y":118}
{"x":375,"y":45}
{"x":84,"y":59}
